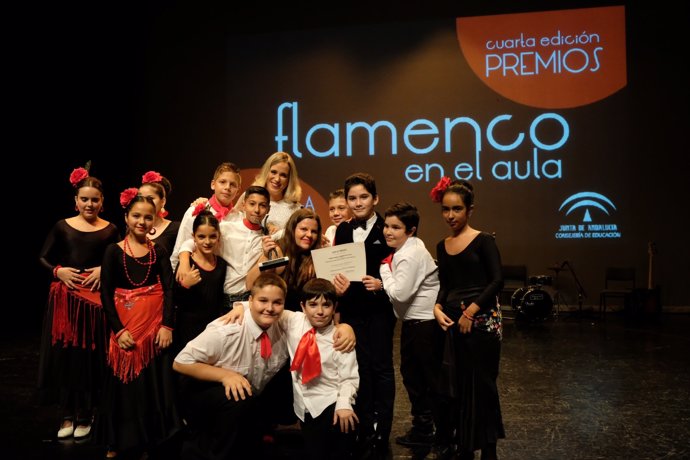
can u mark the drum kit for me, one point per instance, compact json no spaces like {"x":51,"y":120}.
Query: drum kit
{"x":534,"y":302}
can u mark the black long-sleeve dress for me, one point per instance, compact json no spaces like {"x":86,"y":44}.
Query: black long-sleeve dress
{"x":74,"y":338}
{"x":138,"y":408}
{"x":470,"y":361}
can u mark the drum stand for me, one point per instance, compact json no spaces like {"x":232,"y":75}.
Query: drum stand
{"x":557,"y":298}
{"x":581,"y":294}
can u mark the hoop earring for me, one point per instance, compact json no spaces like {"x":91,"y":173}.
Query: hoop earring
{"x":152,"y":231}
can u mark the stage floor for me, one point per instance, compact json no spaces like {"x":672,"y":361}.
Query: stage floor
{"x":571,"y":388}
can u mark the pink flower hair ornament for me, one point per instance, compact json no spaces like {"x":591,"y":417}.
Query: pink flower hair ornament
{"x":128,"y":195}
{"x":151,"y":176}
{"x":78,"y":175}
{"x":436,"y":193}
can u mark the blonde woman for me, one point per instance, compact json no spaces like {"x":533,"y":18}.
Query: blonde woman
{"x":279,"y":176}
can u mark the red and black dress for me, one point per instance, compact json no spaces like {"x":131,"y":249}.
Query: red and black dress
{"x":73,"y":344}
{"x":138,"y":408}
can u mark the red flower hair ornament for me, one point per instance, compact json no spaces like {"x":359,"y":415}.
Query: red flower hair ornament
{"x":78,"y":175}
{"x":436,"y":193}
{"x":127,"y":196}
{"x":198,"y":208}
{"x":151,"y":176}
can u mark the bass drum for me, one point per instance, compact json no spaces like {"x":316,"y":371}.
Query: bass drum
{"x":532,"y":303}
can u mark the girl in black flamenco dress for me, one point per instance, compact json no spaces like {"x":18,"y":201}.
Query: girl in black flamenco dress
{"x":467,"y":310}
{"x":138,"y":410}
{"x":72,"y":354}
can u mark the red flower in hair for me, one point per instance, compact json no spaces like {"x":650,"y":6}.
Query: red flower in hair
{"x":127,"y":195}
{"x":151,"y":176}
{"x":78,"y":175}
{"x":199,"y":207}
{"x":436,"y":193}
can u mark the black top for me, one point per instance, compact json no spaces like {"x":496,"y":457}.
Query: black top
{"x":357,"y":298}
{"x":205,"y":299}
{"x":473,"y":275}
{"x":113,"y":276}
{"x":69,"y":247}
{"x":167,"y":238}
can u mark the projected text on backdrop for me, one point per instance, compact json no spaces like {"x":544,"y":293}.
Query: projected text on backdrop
{"x":425,"y":137}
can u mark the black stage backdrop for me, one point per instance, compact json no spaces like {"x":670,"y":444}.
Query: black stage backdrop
{"x":178,"y":88}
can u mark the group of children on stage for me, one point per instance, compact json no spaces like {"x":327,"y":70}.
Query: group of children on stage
{"x":162,"y":297}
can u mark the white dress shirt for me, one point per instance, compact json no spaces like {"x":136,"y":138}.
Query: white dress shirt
{"x":412,"y":284}
{"x":241,"y":248}
{"x":359,"y":234}
{"x":339,"y":379}
{"x":330,"y":233}
{"x":238,"y":347}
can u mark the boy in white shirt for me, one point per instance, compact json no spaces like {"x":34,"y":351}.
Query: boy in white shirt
{"x":225,"y":185}
{"x":338,"y":212}
{"x":410,"y":278}
{"x":241,"y":234}
{"x":324,"y":381}
{"x":229,"y":366}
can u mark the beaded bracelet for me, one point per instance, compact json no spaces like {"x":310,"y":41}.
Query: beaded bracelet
{"x":167,"y":327}
{"x":55,"y":270}
{"x":464,"y":313}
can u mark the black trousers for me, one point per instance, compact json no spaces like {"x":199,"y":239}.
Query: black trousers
{"x":376,"y":395}
{"x":323,"y":440}
{"x":418,"y":370}
{"x":218,"y":428}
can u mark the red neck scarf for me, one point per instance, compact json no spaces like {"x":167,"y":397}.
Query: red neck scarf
{"x":307,"y":357}
{"x":221,"y":211}
{"x":250,"y":225}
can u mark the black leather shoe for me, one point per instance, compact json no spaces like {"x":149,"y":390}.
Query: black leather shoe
{"x":441,"y":452}
{"x":382,"y":449}
{"x":364,"y":447}
{"x":414,"y":438}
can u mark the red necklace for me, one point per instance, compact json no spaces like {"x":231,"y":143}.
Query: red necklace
{"x":152,"y":260}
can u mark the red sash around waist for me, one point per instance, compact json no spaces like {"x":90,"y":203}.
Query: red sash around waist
{"x":72,"y":308}
{"x":141,"y":312}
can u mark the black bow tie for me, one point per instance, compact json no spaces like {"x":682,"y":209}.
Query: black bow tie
{"x":359,"y":223}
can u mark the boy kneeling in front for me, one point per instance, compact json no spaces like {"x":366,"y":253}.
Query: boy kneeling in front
{"x":225,"y":419}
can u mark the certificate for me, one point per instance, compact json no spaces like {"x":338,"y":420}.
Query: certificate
{"x":348,"y":259}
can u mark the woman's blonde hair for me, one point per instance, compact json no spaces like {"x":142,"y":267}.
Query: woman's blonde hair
{"x":293,"y":191}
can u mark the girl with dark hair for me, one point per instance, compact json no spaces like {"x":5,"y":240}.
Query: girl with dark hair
{"x":199,"y":295}
{"x":158,"y":188}
{"x":469,"y":267}
{"x":72,"y":360}
{"x":138,"y":412}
